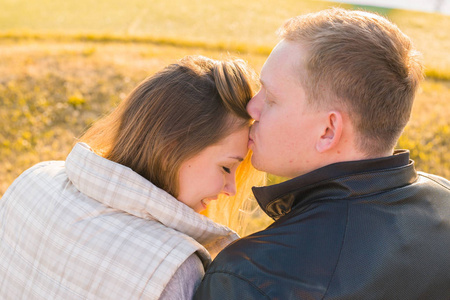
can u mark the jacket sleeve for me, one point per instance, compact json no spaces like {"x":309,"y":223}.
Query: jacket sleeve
{"x":227,"y":286}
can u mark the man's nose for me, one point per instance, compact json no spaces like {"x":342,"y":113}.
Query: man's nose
{"x":254,"y":106}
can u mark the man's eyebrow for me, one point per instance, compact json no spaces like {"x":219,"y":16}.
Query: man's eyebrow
{"x":266,"y":88}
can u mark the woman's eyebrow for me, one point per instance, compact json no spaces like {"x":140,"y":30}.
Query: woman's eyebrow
{"x":238,"y":158}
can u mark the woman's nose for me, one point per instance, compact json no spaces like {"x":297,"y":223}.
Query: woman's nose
{"x":230,"y":186}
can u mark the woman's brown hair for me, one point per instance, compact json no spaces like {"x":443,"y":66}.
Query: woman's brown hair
{"x":175,"y":114}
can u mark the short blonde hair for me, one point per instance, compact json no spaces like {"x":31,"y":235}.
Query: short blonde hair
{"x":175,"y":114}
{"x":363,"y":63}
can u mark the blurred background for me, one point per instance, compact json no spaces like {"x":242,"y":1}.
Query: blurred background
{"x":63,"y":64}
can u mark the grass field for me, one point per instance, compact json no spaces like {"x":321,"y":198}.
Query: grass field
{"x":75,"y":60}
{"x":232,"y":24}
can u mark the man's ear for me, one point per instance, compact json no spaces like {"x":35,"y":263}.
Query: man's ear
{"x":332,"y":132}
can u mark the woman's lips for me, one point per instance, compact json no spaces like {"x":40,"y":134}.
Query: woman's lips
{"x":205,"y":202}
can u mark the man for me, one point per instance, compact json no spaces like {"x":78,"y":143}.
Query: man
{"x":356,"y":221}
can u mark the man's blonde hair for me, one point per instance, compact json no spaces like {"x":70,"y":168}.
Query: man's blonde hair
{"x":362,"y":63}
{"x":175,"y":114}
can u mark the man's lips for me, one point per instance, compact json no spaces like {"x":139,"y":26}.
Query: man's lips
{"x":250,"y":140}
{"x":250,"y":143}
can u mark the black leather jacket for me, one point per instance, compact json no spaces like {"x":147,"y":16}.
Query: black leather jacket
{"x":371,"y":229}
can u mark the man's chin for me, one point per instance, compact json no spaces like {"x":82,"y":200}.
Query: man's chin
{"x":258,"y":163}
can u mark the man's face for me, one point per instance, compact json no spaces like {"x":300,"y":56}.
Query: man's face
{"x":284,"y":135}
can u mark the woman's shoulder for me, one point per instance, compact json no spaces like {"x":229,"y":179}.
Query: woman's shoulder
{"x":186,"y":279}
{"x":37,"y":176}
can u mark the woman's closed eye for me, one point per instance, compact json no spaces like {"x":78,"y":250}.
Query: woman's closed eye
{"x":227,"y":170}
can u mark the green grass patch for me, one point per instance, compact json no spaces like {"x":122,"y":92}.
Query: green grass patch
{"x":379,"y":10}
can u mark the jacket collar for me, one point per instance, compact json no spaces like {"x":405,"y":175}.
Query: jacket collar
{"x":121,"y":188}
{"x":337,"y":181}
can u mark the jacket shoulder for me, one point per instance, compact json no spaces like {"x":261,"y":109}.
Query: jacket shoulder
{"x":228,"y":276}
{"x":440,"y":181}
{"x":224,"y":285}
{"x":285,"y":261}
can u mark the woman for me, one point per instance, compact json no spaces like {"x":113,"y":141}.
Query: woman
{"x":119,"y":218}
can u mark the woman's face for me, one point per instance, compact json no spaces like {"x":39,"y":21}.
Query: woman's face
{"x":212,"y":172}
